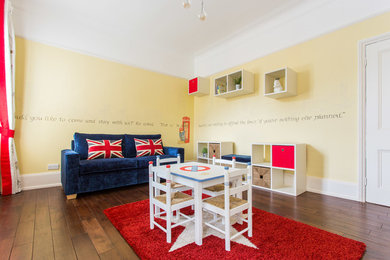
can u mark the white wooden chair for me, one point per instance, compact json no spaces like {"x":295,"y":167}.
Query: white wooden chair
{"x":227,"y":205}
{"x":174,"y":186}
{"x":219,"y":188}
{"x":167,"y":203}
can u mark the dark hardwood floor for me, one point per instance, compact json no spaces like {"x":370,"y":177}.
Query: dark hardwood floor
{"x":42,"y":224}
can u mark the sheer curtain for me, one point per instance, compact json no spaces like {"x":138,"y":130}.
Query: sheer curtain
{"x":10,"y":178}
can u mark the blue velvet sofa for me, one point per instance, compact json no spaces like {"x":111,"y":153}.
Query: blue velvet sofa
{"x":79,"y":175}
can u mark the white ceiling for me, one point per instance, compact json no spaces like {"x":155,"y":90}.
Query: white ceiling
{"x":158,"y":35}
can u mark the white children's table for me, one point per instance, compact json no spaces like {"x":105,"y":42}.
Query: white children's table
{"x":197,"y":176}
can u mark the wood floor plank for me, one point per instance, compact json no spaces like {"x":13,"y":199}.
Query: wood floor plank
{"x":115,"y":254}
{"x":6,"y":248}
{"x":21,"y":252}
{"x":24,"y":233}
{"x":62,"y":243}
{"x":73,"y":220}
{"x":28,"y":209}
{"x":43,"y":245}
{"x":97,"y":235}
{"x":84,"y":247}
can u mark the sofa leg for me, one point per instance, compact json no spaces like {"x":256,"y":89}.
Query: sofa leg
{"x":71,"y":196}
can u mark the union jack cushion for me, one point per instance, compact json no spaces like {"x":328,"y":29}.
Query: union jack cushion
{"x":147,"y":147}
{"x":99,"y":149}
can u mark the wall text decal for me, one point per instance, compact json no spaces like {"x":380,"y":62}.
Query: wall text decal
{"x":276,"y":120}
{"x":64,"y":120}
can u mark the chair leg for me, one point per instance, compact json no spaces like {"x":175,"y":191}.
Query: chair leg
{"x":169,"y":226}
{"x":227,"y":233}
{"x":151,"y":215}
{"x":250,"y":226}
{"x":192,"y":194}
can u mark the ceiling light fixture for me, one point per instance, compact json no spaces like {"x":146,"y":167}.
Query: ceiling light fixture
{"x":186,"y":3}
{"x":202,"y":15}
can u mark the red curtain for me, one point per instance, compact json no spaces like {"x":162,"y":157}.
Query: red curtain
{"x":8,"y":167}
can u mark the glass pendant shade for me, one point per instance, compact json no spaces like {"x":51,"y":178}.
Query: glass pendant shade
{"x":186,"y":3}
{"x":202,"y":15}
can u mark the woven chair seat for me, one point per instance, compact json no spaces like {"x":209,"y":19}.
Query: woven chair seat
{"x":219,"y":201}
{"x":216,"y":188}
{"x":174,"y":185}
{"x":176,"y":198}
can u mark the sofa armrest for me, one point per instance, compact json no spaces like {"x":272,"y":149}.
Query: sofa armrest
{"x":174,"y":151}
{"x":70,"y":163}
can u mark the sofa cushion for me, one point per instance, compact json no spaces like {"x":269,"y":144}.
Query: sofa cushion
{"x":81,"y":145}
{"x":239,"y":158}
{"x":107,"y":165}
{"x":104,"y":149}
{"x":147,"y":147}
{"x":128,"y":145}
{"x":143,"y":162}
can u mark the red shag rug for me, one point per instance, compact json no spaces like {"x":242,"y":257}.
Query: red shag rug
{"x":274,"y":236}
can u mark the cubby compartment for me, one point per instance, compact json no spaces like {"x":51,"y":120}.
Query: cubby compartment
{"x":283,"y":181}
{"x":261,"y":154}
{"x":261,"y":176}
{"x":287,"y":78}
{"x":233,"y":79}
{"x":215,"y":150}
{"x":201,"y":146}
{"x":220,"y":85}
{"x":283,"y":156}
{"x":198,"y":86}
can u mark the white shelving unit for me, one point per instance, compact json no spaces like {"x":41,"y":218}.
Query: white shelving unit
{"x":287,"y":78}
{"x":225,"y":86}
{"x":213,"y":148}
{"x":279,"y":167}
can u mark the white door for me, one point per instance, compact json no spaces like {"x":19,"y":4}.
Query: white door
{"x":378,"y":123}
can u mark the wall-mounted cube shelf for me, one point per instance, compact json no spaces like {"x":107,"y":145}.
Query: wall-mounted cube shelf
{"x":287,"y":78}
{"x":226,"y":86}
{"x":198,"y":86}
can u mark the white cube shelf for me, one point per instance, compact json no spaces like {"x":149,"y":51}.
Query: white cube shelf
{"x":288,"y":80}
{"x":285,"y":164}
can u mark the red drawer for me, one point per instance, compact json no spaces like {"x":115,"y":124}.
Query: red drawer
{"x":193,"y":86}
{"x":283,"y":156}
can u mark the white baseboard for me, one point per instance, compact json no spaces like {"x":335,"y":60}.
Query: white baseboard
{"x":40,"y":180}
{"x":340,"y":189}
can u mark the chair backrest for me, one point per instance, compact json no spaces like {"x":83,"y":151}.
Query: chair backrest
{"x":154,"y":183}
{"x":159,"y":161}
{"x":245,"y":186}
{"x":232,"y":163}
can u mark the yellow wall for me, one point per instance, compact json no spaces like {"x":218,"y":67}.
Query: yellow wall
{"x":56,"y":88}
{"x":327,"y":79}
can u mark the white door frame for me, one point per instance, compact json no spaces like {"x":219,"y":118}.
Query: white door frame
{"x":362,"y":62}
